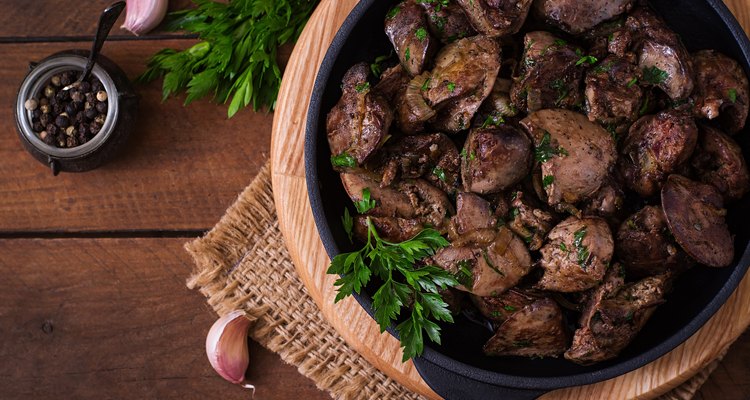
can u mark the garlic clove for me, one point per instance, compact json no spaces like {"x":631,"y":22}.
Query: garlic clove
{"x":141,"y":16}
{"x":226,"y":346}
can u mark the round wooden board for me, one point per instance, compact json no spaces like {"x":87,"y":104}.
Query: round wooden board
{"x":352,"y":322}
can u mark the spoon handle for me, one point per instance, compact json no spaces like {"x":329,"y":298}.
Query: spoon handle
{"x":106,"y":22}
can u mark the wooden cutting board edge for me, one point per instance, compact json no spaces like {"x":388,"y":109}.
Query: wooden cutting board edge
{"x":355,"y":325}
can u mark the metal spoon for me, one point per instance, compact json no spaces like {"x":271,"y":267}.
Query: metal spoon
{"x":106,"y":22}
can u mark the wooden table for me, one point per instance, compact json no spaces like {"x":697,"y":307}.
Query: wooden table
{"x":93,"y":301}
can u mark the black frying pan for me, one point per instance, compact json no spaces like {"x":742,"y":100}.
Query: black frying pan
{"x":458,"y":369}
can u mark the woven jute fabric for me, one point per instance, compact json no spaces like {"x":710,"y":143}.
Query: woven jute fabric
{"x":242,"y":263}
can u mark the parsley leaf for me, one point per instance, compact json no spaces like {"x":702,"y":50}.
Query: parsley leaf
{"x":654,"y":75}
{"x":632,"y":82}
{"x":393,"y":12}
{"x":493,"y":119}
{"x":588,"y":60}
{"x":376,"y":67}
{"x":732,"y":93}
{"x":583,"y":253}
{"x":343,"y":160}
{"x":362,"y":87}
{"x":439,"y":173}
{"x":366,"y":204}
{"x":509,"y":308}
{"x":407,"y":54}
{"x":421,"y":34}
{"x":348,"y":223}
{"x":545,"y":152}
{"x":451,"y":86}
{"x":407,"y":291}
{"x":236,"y":60}
{"x":548,"y":180}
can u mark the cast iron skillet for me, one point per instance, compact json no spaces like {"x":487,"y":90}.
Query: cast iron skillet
{"x":457,"y":369}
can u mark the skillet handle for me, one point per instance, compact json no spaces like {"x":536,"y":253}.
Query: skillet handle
{"x":451,"y":386}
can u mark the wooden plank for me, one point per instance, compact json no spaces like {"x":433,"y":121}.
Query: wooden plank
{"x":112,"y":318}
{"x":181,"y":169}
{"x":63,"y":18}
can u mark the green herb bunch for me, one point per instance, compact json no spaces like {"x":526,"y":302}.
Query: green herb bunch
{"x":405,"y":285}
{"x":236,"y":57}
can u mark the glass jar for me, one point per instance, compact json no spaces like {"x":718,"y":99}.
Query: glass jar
{"x":122,"y":105}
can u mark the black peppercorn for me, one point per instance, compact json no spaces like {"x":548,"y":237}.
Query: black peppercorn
{"x":76,"y":96}
{"x":65,"y":79}
{"x":62,"y":95}
{"x":68,"y":118}
{"x":70,"y":109}
{"x":71,"y":141}
{"x":62,"y":121}
{"x":95,"y":127}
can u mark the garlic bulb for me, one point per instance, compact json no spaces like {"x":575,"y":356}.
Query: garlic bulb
{"x":141,"y":16}
{"x":226,"y":347}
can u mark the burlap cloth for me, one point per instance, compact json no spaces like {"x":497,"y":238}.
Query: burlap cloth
{"x":242,"y":263}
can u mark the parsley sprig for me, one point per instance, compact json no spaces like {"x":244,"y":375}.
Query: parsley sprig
{"x":407,"y":290}
{"x":236,"y":58}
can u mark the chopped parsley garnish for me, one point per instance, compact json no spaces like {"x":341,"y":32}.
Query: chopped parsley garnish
{"x":644,"y":107}
{"x":588,"y":60}
{"x":376,"y":67}
{"x":464,"y":275}
{"x":493,"y":119}
{"x":343,"y":160}
{"x":632,"y":82}
{"x":509,"y":308}
{"x":563,"y":247}
{"x":407,"y":54}
{"x":495,"y":314}
{"x":490,"y":264}
{"x":514,"y":212}
{"x":732,"y":95}
{"x":560,"y":42}
{"x":421,"y":34}
{"x":393,"y":12}
{"x":348,"y":223}
{"x":426,"y":84}
{"x":631,"y":224}
{"x":465,"y":155}
{"x":362,"y":87}
{"x":366,"y":204}
{"x":451,"y":86}
{"x":439,"y":173}
{"x":439,"y":22}
{"x":407,"y":290}
{"x":654,"y":75}
{"x":548,"y":180}
{"x":544,"y":151}
{"x":583,"y":252}
{"x":561,"y":88}
{"x":606,"y":67}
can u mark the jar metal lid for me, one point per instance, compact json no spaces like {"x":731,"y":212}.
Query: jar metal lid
{"x":35,"y":82}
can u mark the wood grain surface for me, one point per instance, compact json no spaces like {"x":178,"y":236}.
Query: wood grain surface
{"x":360,"y":331}
{"x":45,"y":20}
{"x":112,"y":318}
{"x":181,"y":169}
